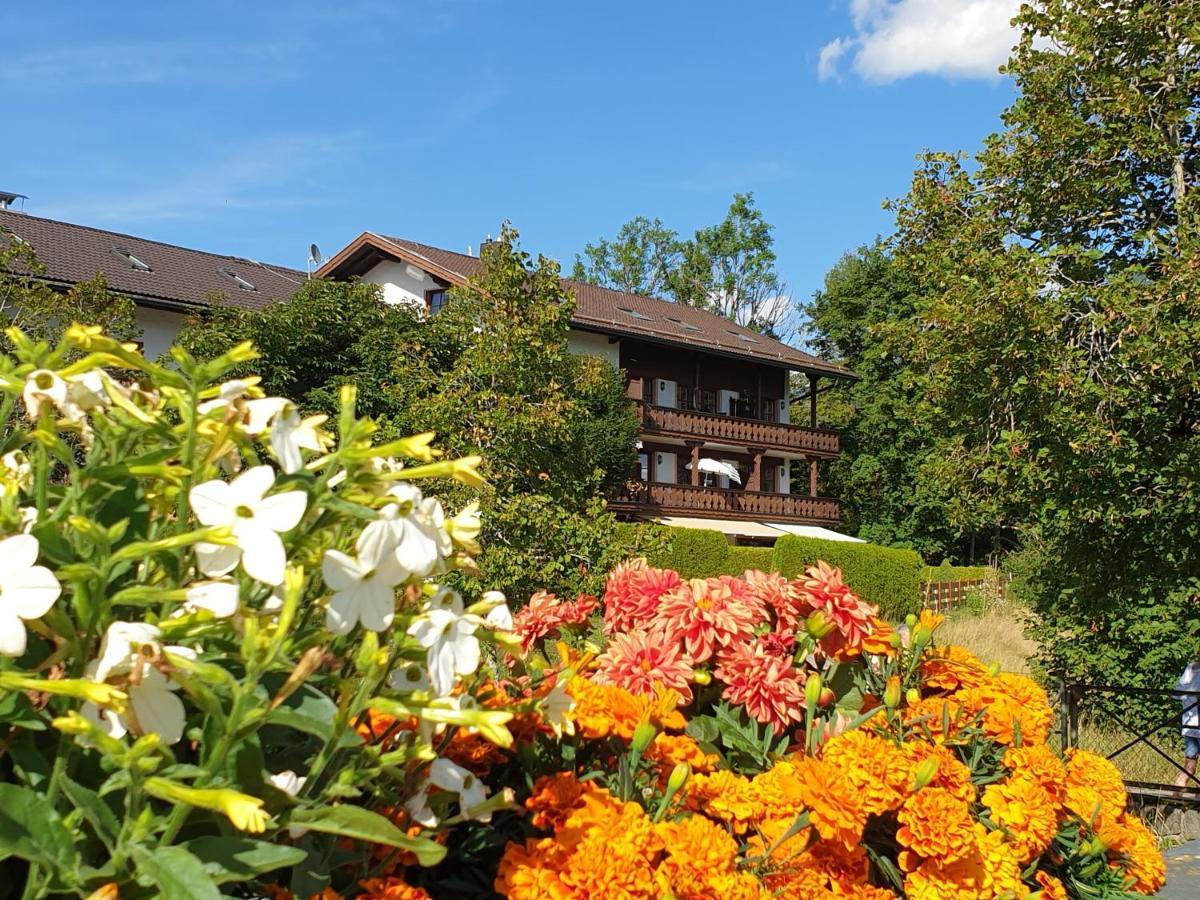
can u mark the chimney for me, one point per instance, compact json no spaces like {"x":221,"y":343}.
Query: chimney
{"x":7,"y":199}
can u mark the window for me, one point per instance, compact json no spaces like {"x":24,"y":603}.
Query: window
{"x":741,"y":337}
{"x":237,"y":279}
{"x":134,"y":262}
{"x":634,"y":313}
{"x":644,"y":465}
{"x":435,"y":300}
{"x":682,"y":324}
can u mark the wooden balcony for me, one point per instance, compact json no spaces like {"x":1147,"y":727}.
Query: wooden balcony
{"x":687,"y":424}
{"x":657,"y":499}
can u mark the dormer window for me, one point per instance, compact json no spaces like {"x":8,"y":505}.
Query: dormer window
{"x":134,"y":262}
{"x":242,"y":283}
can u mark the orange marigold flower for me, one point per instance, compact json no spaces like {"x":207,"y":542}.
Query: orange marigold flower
{"x":391,"y":887}
{"x":769,"y":687}
{"x":1029,"y":815}
{"x":632,"y":592}
{"x":866,"y":761}
{"x":644,"y":660}
{"x":950,"y":668}
{"x":708,"y":614}
{"x":960,"y":879}
{"x":879,"y":641}
{"x":1088,"y":770}
{"x":474,"y":752}
{"x":1039,"y":762}
{"x":1001,"y":864}
{"x":1052,"y":888}
{"x":778,"y":793}
{"x":554,"y":797}
{"x":1010,"y":705}
{"x":670,"y":749}
{"x":951,"y":774}
{"x":1135,"y":848}
{"x":606,"y":709}
{"x":531,"y":871}
{"x":827,"y":868}
{"x":836,"y":809}
{"x":613,"y":849}
{"x":726,"y":797}
{"x":936,"y":825}
{"x":698,"y":852}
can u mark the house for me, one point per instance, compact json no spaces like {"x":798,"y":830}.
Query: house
{"x":167,"y":283}
{"x":708,"y":392}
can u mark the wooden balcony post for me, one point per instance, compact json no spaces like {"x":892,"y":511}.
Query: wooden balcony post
{"x":812,"y":401}
{"x":695,"y":446}
{"x":812,"y":476}
{"x":754,"y":481}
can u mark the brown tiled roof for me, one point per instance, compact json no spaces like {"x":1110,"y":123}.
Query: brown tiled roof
{"x":177,"y":276}
{"x":616,"y":312}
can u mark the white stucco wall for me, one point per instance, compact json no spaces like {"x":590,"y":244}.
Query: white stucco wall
{"x":400,"y":284}
{"x":586,"y":343}
{"x":159,"y":328}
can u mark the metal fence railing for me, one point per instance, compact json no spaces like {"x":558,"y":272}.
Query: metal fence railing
{"x":1139,"y":730}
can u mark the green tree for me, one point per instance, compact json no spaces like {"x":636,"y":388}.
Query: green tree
{"x":728,"y":267}
{"x":854,"y":320}
{"x":43,"y":311}
{"x":555,"y":429}
{"x":328,"y":334}
{"x":1058,"y":330}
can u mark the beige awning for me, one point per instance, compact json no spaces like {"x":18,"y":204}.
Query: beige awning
{"x":739,"y":528}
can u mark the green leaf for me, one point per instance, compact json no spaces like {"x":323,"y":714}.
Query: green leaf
{"x":306,"y":710}
{"x":240,"y":859}
{"x":703,"y":729}
{"x":176,"y":873}
{"x":94,"y":810}
{"x":364,"y":825}
{"x":16,"y":710}
{"x":31,"y":828}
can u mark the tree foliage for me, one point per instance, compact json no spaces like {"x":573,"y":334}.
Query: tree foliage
{"x":854,"y":320}
{"x":42,"y":310}
{"x":1059,"y":332}
{"x":728,"y":267}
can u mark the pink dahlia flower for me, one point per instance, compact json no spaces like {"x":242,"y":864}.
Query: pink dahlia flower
{"x":769,"y":687}
{"x":537,"y":619}
{"x":709,"y":614}
{"x":824,"y":590}
{"x":645,"y":659}
{"x":632,"y":592}
{"x":778,"y":595}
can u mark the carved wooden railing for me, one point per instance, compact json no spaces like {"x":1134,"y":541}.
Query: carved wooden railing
{"x":685,"y":499}
{"x":687,"y":424}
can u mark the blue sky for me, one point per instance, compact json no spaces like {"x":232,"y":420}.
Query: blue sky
{"x":256,"y":128}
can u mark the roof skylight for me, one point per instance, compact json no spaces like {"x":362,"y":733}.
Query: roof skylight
{"x":634,"y":313}
{"x":133,"y":261}
{"x":687,"y":326}
{"x":742,"y":337}
{"x":237,"y":279}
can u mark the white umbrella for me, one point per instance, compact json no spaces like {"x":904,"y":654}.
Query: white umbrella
{"x":716,"y":467}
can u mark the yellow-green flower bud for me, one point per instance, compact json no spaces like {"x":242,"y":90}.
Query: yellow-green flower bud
{"x":911,"y":621}
{"x":818,"y":625}
{"x":925,"y":773}
{"x":678,"y":777}
{"x":994,"y":669}
{"x":812,"y":690}
{"x":91,"y":691}
{"x":643,"y":735}
{"x":245,"y":812}
{"x":894,"y":640}
{"x":701,"y":677}
{"x":912,"y":696}
{"x":891,"y":693}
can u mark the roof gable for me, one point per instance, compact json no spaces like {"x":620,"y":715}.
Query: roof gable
{"x":150,"y":272}
{"x":597,"y":308}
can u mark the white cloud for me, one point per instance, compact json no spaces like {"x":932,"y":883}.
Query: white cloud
{"x":830,"y":54}
{"x":898,"y":38}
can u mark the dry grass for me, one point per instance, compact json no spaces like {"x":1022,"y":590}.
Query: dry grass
{"x":996,"y":635}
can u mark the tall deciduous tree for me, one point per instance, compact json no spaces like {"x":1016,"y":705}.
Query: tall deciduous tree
{"x":728,"y":267}
{"x":1060,"y":330}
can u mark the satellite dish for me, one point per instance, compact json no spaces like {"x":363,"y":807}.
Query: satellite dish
{"x":314,"y":254}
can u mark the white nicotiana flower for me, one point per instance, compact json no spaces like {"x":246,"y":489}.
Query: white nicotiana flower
{"x":290,"y":434}
{"x":454,"y":778}
{"x":27,"y":590}
{"x":421,"y":542}
{"x":499,"y":617}
{"x":153,"y":705}
{"x":464,"y":528}
{"x":409,"y":678}
{"x":288,"y":782}
{"x":364,"y":586}
{"x":88,"y":391}
{"x":16,"y":472}
{"x":256,"y":519}
{"x":43,"y":386}
{"x":554,"y":708}
{"x":220,"y":598}
{"x":240,"y":393}
{"x":451,"y":646}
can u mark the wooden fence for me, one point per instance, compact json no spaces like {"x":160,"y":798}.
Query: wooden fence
{"x":941,"y":596}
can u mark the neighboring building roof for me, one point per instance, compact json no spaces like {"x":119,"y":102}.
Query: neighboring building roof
{"x":597,"y":308}
{"x":150,"y":272}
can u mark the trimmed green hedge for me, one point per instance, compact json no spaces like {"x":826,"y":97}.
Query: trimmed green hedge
{"x":956,"y":573}
{"x":694,"y":553}
{"x":880,"y":575}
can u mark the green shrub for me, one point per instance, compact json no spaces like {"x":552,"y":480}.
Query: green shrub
{"x":881,"y":575}
{"x":742,"y":558}
{"x":946,"y":572}
{"x":694,"y":553}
